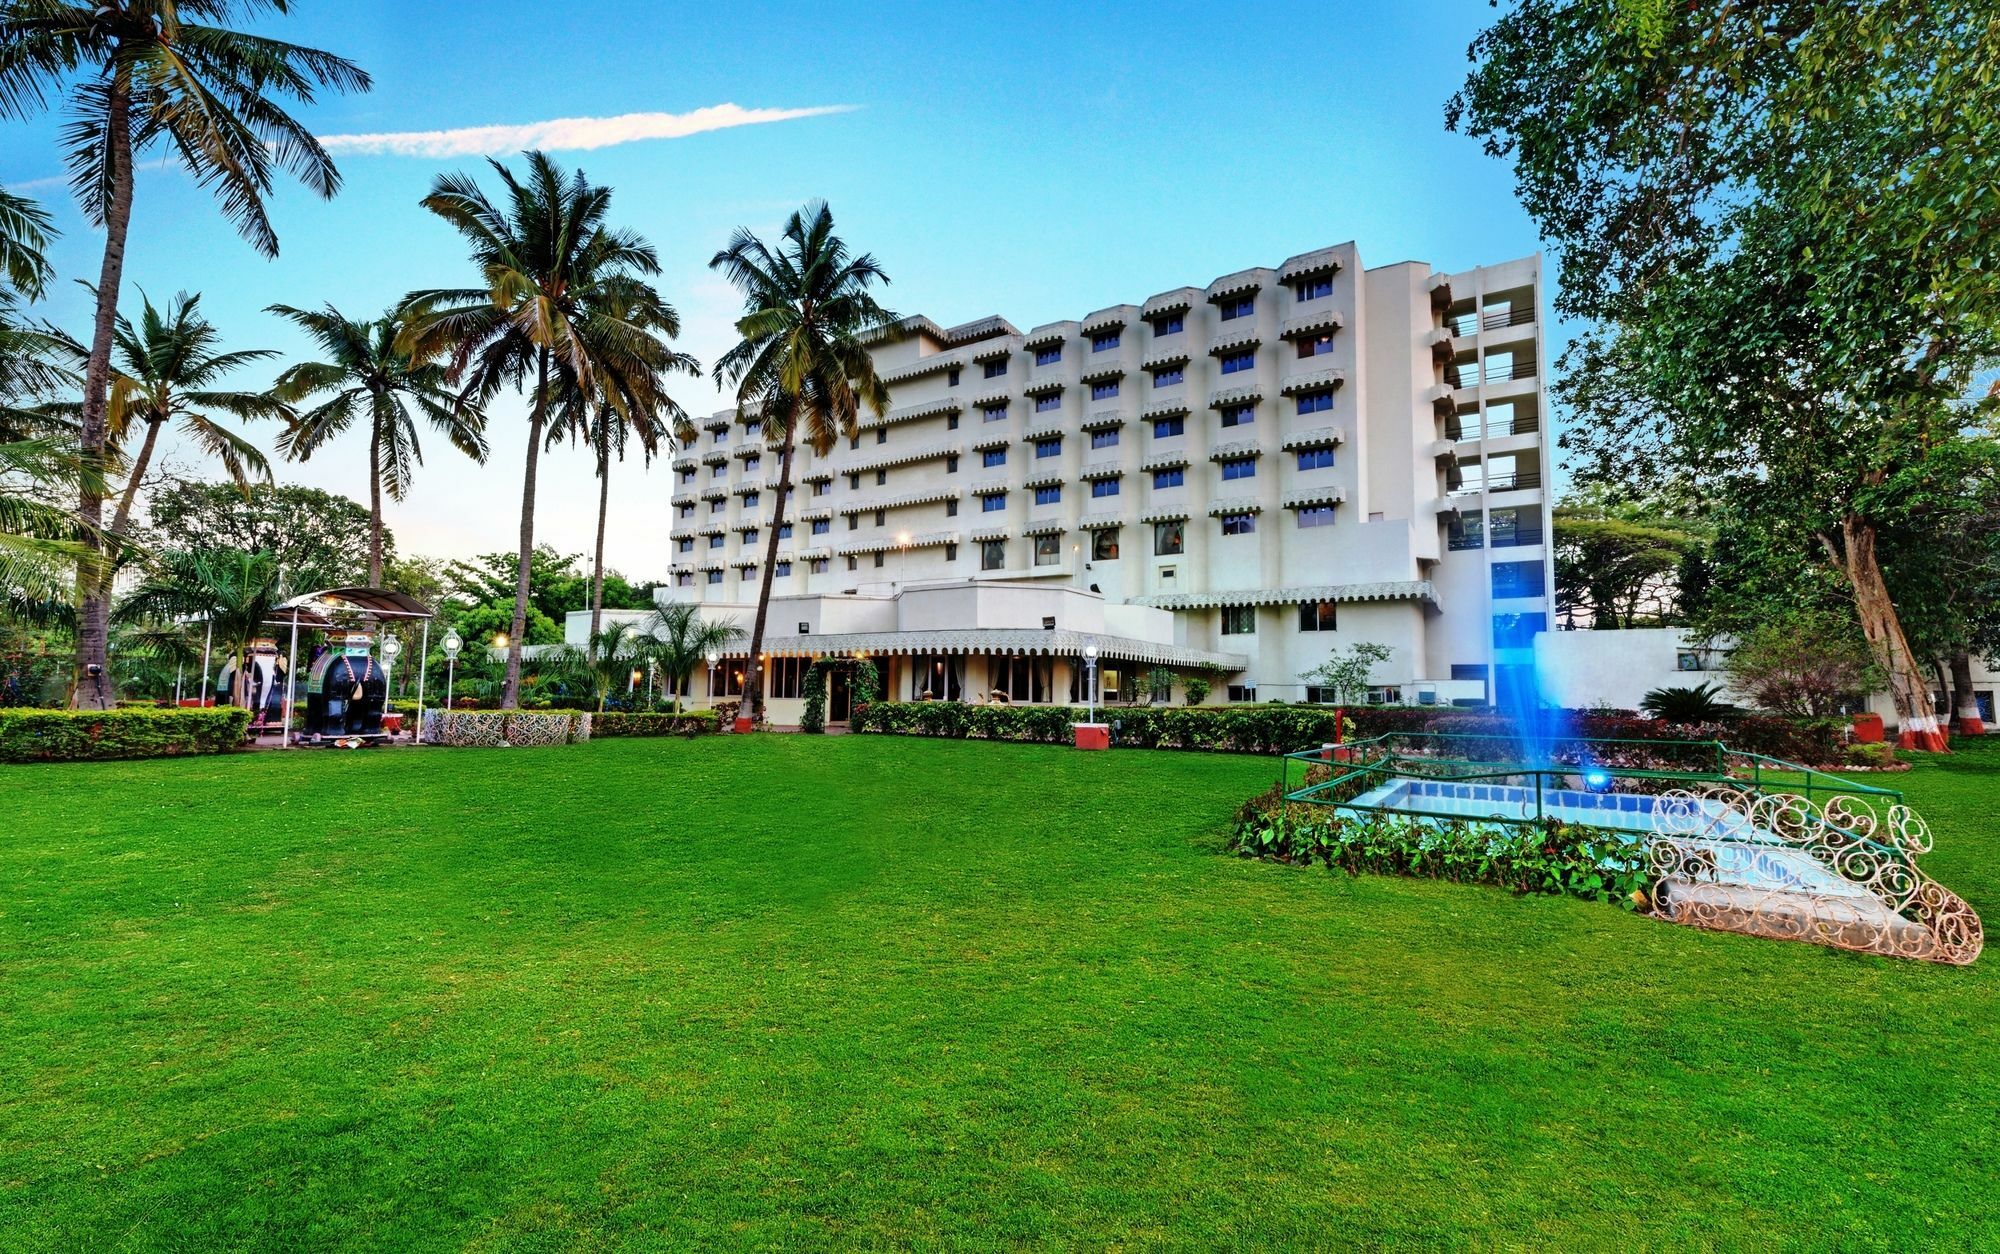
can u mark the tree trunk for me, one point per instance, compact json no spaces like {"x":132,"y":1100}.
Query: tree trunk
{"x":1907,"y":685}
{"x":1970,"y":723}
{"x":753,"y":672}
{"x":510,"y":691}
{"x":597,"y":560}
{"x":122,"y":518}
{"x":375,"y":505}
{"x":92,"y":687}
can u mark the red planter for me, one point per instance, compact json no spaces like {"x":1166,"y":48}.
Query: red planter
{"x":1093,"y":735}
{"x":1868,"y":729}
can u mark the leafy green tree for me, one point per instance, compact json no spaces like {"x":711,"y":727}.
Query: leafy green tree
{"x":561,"y":296}
{"x":680,"y":642}
{"x":318,"y":539}
{"x":1782,"y":222}
{"x":233,"y":591}
{"x":134,"y":76}
{"x":1346,"y":675}
{"x":366,"y":372}
{"x":802,"y":364}
{"x":1618,"y":565}
{"x":1804,"y":663}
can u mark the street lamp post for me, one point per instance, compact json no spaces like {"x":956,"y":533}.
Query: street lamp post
{"x":713,"y":658}
{"x":1090,"y":683}
{"x":392,"y":648}
{"x":453,"y":642}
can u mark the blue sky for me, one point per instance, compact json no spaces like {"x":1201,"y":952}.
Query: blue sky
{"x":1037,"y":161}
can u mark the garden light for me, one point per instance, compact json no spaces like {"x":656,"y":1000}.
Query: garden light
{"x":1597,"y":779}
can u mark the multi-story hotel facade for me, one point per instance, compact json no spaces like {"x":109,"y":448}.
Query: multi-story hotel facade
{"x":1233,"y":479}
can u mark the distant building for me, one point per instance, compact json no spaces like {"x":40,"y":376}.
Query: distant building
{"x":1241,"y":476}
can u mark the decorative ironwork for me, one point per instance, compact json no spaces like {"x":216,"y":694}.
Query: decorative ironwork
{"x":491,"y":728}
{"x":1782,"y":866}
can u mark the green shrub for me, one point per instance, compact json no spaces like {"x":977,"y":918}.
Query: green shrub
{"x":1701,"y":704}
{"x":1550,"y":858}
{"x":690,"y":723}
{"x":1876,"y":755}
{"x":33,"y":735}
{"x":1249,"y":729}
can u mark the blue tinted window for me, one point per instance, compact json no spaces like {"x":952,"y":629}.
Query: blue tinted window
{"x":1315,"y":345}
{"x":993,"y":413}
{"x":1317,"y":516}
{"x":993,"y":457}
{"x":1169,"y":478}
{"x":1164,"y":427}
{"x":1517,"y":579}
{"x":784,"y":568}
{"x":1315,"y":458}
{"x":1239,"y":415}
{"x":1518,"y":631}
{"x":821,"y":526}
{"x":1172,"y":324}
{"x":1104,"y":391}
{"x":1048,"y":448}
{"x":1238,"y":307}
{"x":1313,"y":289}
{"x":1315,"y":402}
{"x":1238,"y":524}
{"x":1240,"y":468}
{"x":1043,"y":404}
{"x":1104,"y":487}
{"x":1103,"y":340}
{"x":1047,"y":496}
{"x":994,"y":369}
{"x":993,"y":504}
{"x":715,"y":542}
{"x":1048,"y":356}
{"x":715,"y":576}
{"x":1105,"y":438}
{"x":1239,"y":361}
{"x":1170,"y":376}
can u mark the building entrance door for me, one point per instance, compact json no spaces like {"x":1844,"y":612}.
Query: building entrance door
{"x":839,"y":695}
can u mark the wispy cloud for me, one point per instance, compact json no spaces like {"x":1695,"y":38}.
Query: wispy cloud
{"x":570,"y":134}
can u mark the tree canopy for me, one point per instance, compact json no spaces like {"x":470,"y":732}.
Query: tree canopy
{"x":316,"y":539}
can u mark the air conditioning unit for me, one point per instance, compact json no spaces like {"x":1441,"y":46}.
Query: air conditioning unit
{"x":805,"y":629}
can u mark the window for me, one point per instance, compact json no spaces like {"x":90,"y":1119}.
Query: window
{"x":717,"y":471}
{"x":1315,"y":458}
{"x":951,"y":508}
{"x":1105,"y":438}
{"x":784,"y":569}
{"x":1170,"y":324}
{"x":1167,"y":376}
{"x":853,"y":563}
{"x":854,"y":480}
{"x":1238,"y":307}
{"x":881,"y":435}
{"x":786,"y":676}
{"x":1049,"y":448}
{"x":1239,"y":524}
{"x":1240,"y":468}
{"x":749,"y":500}
{"x":749,"y":539}
{"x":753,"y":428}
{"x":785,"y":532}
{"x":821,"y":487}
{"x":715,"y":542}
{"x":1467,"y":531}
{"x":881,"y":477}
{"x":951,"y":422}
{"x":1103,"y":340}
{"x":1239,"y":620}
{"x":854,"y":522}
{"x":687,"y":476}
{"x":1104,"y":391}
{"x":935,"y":678}
{"x":1103,"y":487}
{"x":951,"y":550}
{"x":1243,"y":692}
{"x":1317,"y":616}
{"x":1469,"y":670}
{"x":818,"y":566}
{"x":1166,"y":428}
{"x":993,"y":503}
{"x":1517,"y":579}
{"x":1048,"y":496}
{"x":1239,"y":415}
{"x":684,"y":546}
{"x":1517,"y":631}
{"x":994,"y":369}
{"x":1234,"y":362}
{"x":1173,"y":477}
{"x":1104,"y":545}
{"x":1516,"y":526}
{"x":881,"y":517}
{"x":751,"y":465}
{"x":993,"y":413}
{"x":687,"y":511}
{"x":715,"y":576}
{"x":1020,"y":678}
{"x":951,"y":464}
{"x":992,"y":555}
{"x":1316,"y":516}
{"x":684,"y":580}
{"x":1048,"y":550}
{"x":951,"y":377}
{"x":1046,"y":403}
{"x":878,"y":560}
{"x":715,"y":507}
{"x":854,"y":441}
{"x":993,"y":457}
{"x":720,"y":436}
{"x":1313,"y":289}
{"x":1315,"y":345}
{"x":821,"y":526}
{"x":1169,"y":537}
{"x":1048,"y":355}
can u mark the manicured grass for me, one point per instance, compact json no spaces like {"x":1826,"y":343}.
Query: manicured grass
{"x":792,"y":992}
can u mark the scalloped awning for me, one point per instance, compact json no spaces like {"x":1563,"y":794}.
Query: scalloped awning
{"x":911,"y":413}
{"x":1318,"y":437}
{"x":1314,"y":498}
{"x":1312,"y":381}
{"x":1102,"y":374}
{"x":919,"y":454}
{"x":991,"y":442}
{"x":990,"y":533}
{"x":1235,"y":505}
{"x":1180,"y":300}
{"x":1100,"y":522}
{"x":1103,"y":420}
{"x":1103,"y":320}
{"x":716,"y":493}
{"x":1175,"y":408}
{"x":994,"y":352}
{"x":1234,"y":450}
{"x":885,"y":544}
{"x":1235,"y":341}
{"x":1053,"y":333}
{"x":1043,"y":387}
{"x":936,"y":363}
{"x":1164,"y":515}
{"x":1164,"y":461}
{"x":1246,"y":394}
{"x":1049,"y":527}
{"x":1235,"y":285}
{"x":1410,"y":590}
{"x":1091,"y":474}
{"x":1162,"y":361}
{"x":1002,"y":640}
{"x":1048,"y":480}
{"x":1311,"y":324}
{"x":1306,"y":265}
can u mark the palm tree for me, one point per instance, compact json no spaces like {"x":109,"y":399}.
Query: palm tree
{"x":365,"y":369}
{"x":803,"y":360}
{"x":38,"y":540}
{"x":554,"y":277}
{"x":134,"y":75}
{"x":29,"y":355}
{"x":235,"y":592}
{"x":680,"y":641}
{"x":164,"y":371}
{"x":650,"y":418}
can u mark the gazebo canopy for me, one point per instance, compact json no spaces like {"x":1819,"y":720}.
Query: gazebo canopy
{"x":322,"y":608}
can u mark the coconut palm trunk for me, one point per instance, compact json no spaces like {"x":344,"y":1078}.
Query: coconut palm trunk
{"x":753,"y":673}
{"x":93,"y":611}
{"x":375,"y":493}
{"x":510,"y":692}
{"x":603,"y":508}
{"x":121,"y":519}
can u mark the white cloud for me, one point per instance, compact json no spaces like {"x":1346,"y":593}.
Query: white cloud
{"x":565,"y":133}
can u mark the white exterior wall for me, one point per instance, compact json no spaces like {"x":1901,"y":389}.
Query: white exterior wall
{"x":1393,"y":479}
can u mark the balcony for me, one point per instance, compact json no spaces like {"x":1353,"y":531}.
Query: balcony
{"x":1473,"y":323}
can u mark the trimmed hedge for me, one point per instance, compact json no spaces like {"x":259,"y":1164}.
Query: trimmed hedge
{"x":687,"y":723}
{"x":37,"y":735}
{"x":1283,"y":728}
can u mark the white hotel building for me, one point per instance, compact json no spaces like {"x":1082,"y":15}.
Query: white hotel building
{"x":1241,"y":476}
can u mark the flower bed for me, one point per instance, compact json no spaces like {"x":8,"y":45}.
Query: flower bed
{"x":470,"y":728}
{"x":686,"y":723}
{"x":37,"y":735}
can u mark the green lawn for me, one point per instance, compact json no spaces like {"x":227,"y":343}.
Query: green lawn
{"x":796,"y":992}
